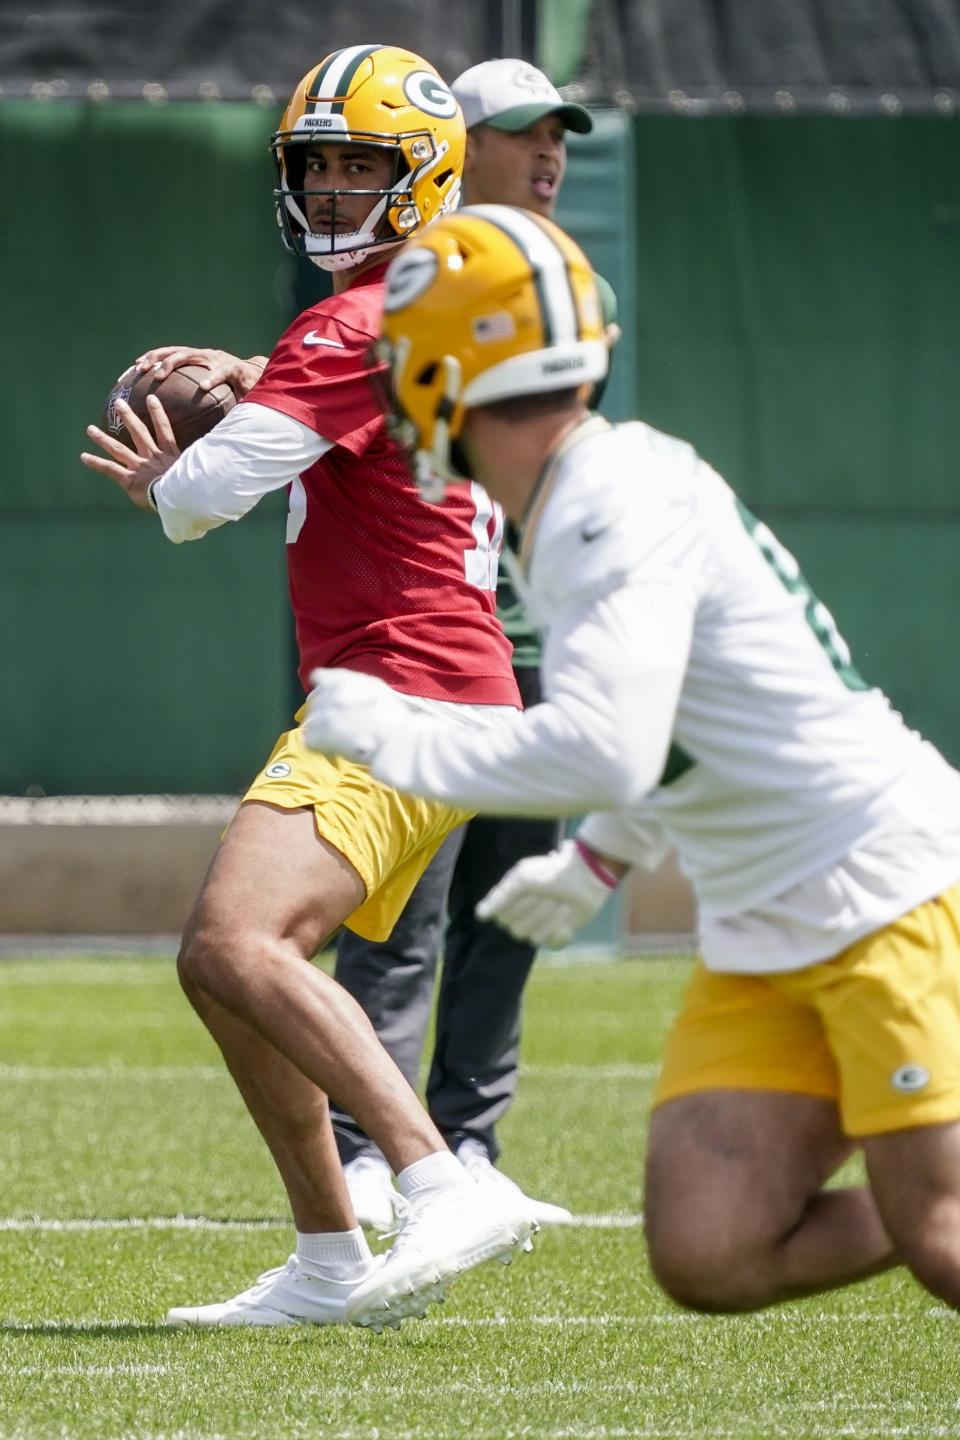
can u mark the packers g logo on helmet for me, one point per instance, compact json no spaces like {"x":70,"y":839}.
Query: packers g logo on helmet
{"x":409,"y":275}
{"x":375,"y":95}
{"x":427,"y":91}
{"x":488,"y":303}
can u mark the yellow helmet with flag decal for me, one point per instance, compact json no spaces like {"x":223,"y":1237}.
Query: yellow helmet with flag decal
{"x":375,"y":95}
{"x":489,"y":303}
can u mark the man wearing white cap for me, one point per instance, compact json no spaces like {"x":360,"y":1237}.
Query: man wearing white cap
{"x":516,"y":135}
{"x":516,"y":155}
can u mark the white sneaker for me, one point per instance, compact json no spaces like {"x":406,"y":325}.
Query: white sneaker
{"x":444,"y":1232}
{"x":473,"y":1156}
{"x":288,"y":1295}
{"x":376,"y":1203}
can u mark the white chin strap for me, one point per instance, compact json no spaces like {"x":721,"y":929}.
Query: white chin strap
{"x":356,"y":246}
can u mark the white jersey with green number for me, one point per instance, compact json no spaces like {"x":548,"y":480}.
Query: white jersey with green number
{"x":697,"y":692}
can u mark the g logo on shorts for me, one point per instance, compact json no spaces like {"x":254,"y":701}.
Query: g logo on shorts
{"x":388,"y":838}
{"x":910,"y":1078}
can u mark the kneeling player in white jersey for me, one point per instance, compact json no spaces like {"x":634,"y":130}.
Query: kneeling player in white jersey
{"x":695,"y":690}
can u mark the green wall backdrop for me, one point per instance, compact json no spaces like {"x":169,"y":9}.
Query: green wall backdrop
{"x":799,"y":319}
{"x":130,"y":664}
{"x":789,"y":293}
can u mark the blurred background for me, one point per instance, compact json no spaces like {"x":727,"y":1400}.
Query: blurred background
{"x":773,"y":190}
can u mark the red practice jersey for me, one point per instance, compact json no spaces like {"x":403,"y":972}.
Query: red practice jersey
{"x":380,"y":581}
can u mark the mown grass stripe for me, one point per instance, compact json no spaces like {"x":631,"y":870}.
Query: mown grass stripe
{"x":109,"y":1371}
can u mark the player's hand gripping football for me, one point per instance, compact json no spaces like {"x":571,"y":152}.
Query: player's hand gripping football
{"x":135,"y":470}
{"x":224,"y":368}
{"x":351,"y":714}
{"x":546,"y":899}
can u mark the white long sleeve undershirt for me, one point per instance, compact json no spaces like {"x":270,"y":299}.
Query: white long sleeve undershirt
{"x":253,"y":450}
{"x":613,"y":669}
{"x":634,"y":836}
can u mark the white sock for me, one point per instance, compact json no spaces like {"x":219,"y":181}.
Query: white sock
{"x":440,"y":1171}
{"x":335,"y":1254}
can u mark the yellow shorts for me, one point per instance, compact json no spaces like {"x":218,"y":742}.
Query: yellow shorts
{"x":388,"y":838}
{"x":876,"y":1029}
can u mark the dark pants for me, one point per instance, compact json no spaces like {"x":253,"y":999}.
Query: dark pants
{"x":473,"y":1075}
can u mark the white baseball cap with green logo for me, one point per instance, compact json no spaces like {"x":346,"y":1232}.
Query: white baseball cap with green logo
{"x":511,"y":95}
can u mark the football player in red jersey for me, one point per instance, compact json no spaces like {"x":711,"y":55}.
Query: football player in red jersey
{"x":369,"y":151}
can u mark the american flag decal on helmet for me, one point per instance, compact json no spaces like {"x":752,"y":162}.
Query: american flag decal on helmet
{"x":494,"y":327}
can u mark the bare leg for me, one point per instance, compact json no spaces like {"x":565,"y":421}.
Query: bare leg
{"x":735,"y":1214}
{"x":291,"y":1115}
{"x":289,"y":1034}
{"x":915,"y":1176}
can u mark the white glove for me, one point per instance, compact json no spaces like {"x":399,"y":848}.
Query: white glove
{"x":351,"y":714}
{"x":546,"y":899}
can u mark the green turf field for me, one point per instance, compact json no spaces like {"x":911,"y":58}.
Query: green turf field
{"x":132,"y":1180}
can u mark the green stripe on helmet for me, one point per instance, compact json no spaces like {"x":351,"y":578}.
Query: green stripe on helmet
{"x":343,"y":85}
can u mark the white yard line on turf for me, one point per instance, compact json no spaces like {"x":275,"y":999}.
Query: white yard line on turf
{"x":32,"y":1073}
{"x":472,"y":1387}
{"x":32,"y":1224}
{"x":618,"y":1071}
{"x":867,"y":1430}
{"x":368,"y":1390}
{"x":762,"y":1320}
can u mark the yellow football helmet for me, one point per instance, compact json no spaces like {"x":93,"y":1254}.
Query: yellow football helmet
{"x":488,"y":303}
{"x":376,"y":95}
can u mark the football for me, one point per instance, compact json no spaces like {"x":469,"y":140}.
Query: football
{"x":190,"y":410}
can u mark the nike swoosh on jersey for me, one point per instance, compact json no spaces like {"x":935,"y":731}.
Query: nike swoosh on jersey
{"x":312,"y":338}
{"x":591,"y":533}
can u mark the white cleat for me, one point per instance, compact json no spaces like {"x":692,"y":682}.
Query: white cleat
{"x":444,"y":1233}
{"x":288,"y":1295}
{"x":473,"y":1156}
{"x":376,"y":1203}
